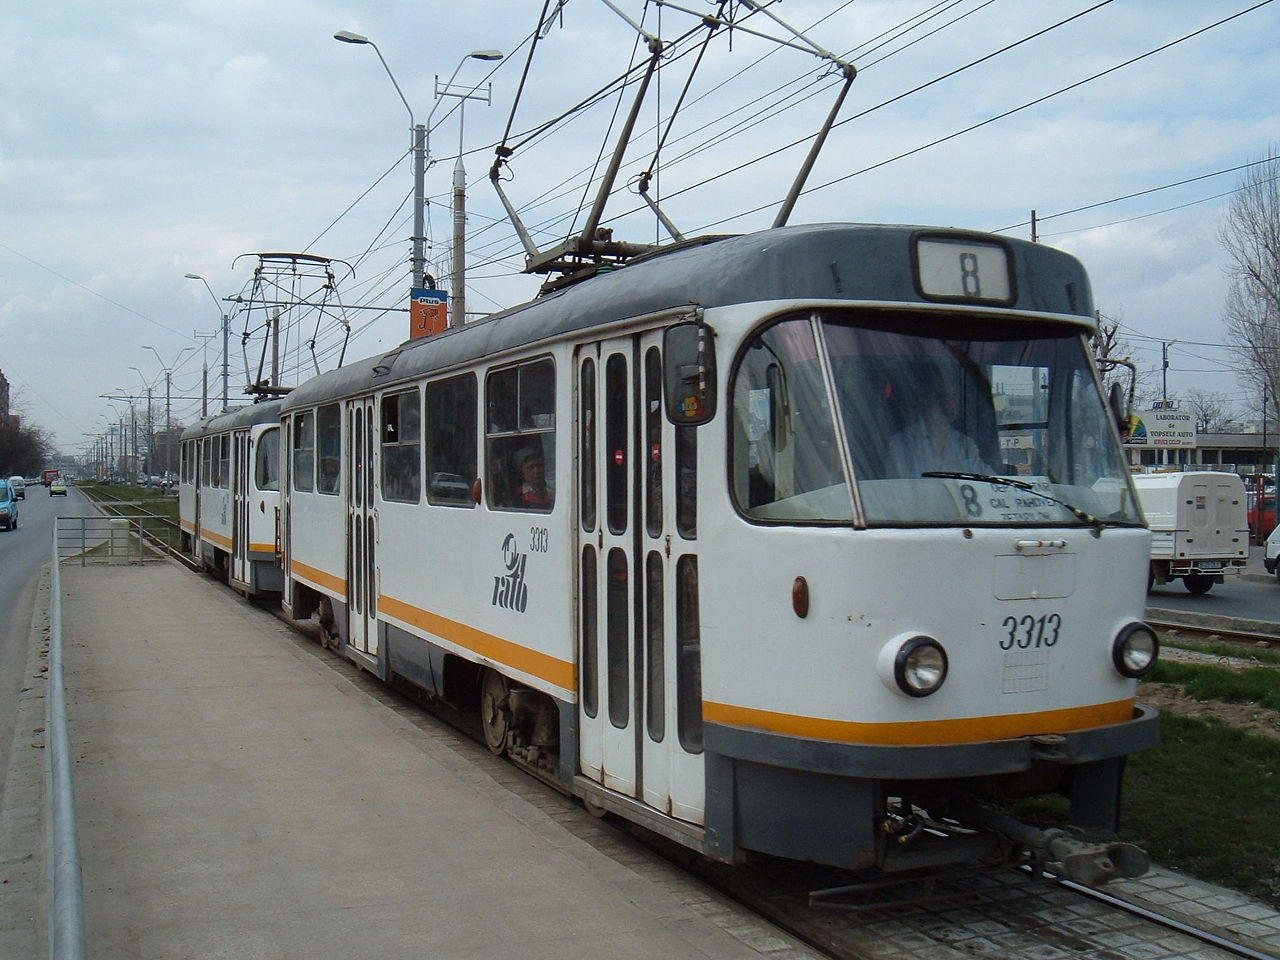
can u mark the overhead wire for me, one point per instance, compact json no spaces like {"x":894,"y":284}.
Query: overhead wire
{"x":1000,"y":116}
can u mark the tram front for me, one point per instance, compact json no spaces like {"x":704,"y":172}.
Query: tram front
{"x":951,"y":563}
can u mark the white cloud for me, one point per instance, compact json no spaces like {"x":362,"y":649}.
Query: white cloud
{"x":143,"y":140}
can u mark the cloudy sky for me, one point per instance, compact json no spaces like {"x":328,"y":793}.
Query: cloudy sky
{"x":141,"y":141}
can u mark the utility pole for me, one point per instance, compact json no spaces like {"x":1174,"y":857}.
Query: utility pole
{"x":458,"y":281}
{"x":204,"y":370}
{"x":168,"y":422}
{"x":149,"y":462}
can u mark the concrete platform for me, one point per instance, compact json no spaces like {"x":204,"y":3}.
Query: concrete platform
{"x":242,"y":793}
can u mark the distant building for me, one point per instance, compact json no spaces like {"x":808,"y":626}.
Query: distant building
{"x":7,"y":419}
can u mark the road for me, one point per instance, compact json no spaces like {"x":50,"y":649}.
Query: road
{"x":1246,"y":597}
{"x":23,"y":552}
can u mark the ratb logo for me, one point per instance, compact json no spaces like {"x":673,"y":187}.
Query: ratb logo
{"x":509,"y":589}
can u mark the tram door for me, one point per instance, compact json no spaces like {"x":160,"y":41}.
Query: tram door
{"x":241,"y":466}
{"x":362,"y":528}
{"x":640,"y":690}
{"x":198,"y":472}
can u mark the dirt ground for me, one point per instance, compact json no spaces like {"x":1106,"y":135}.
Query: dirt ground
{"x":1171,"y":698}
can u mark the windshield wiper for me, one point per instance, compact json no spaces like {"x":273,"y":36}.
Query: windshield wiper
{"x":1079,"y":514}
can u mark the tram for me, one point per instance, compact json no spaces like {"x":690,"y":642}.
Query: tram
{"x":229,"y":497}
{"x":814,"y":542}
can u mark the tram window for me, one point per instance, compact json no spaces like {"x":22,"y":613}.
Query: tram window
{"x":520,"y":437}
{"x":304,"y":444}
{"x":786,"y":462}
{"x":224,"y":460}
{"x":402,"y":447}
{"x":617,"y":635}
{"x":451,"y":440}
{"x":206,"y":473}
{"x":653,"y":450}
{"x":266,"y":473}
{"x":590,"y":635}
{"x":687,"y":482}
{"x":655,"y":650}
{"x":183,"y":462}
{"x":688,"y":655}
{"x":329,"y":448}
{"x":587,"y":429}
{"x":616,"y":445}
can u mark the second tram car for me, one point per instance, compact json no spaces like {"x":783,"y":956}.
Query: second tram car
{"x":229,"y":496}
{"x":810,"y":542}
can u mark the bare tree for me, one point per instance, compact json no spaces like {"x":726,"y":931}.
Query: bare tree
{"x":1212,"y":411}
{"x":1251,"y":236}
{"x":1114,"y":356}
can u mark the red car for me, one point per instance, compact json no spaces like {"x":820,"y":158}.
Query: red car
{"x":1262,"y":514}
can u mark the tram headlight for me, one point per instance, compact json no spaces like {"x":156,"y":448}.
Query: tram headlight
{"x":1135,"y":650}
{"x":915,"y":665}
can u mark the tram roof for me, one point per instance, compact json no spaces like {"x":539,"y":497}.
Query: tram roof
{"x":829,"y":261}
{"x":267,"y":411}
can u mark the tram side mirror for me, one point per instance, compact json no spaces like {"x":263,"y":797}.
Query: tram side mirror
{"x":689,"y":373}
{"x":1119,"y":408}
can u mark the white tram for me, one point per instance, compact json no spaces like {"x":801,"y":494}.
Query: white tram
{"x":832,"y":542}
{"x":229,"y":496}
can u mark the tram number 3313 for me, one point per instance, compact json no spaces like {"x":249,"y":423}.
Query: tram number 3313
{"x":1028,"y":631}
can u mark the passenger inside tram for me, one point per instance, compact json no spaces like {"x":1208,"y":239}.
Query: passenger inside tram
{"x":930,"y":439}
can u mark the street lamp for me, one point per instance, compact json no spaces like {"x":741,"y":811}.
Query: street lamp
{"x":168,"y":400}
{"x":418,"y":144}
{"x":419,"y":139}
{"x":225,"y":320}
{"x":148,"y":463}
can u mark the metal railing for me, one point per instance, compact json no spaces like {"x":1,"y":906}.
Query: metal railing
{"x":113,"y":539}
{"x":65,"y":882}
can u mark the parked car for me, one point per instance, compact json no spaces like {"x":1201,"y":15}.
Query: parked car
{"x":19,"y":487}
{"x":8,"y":506}
{"x":58,"y":488}
{"x":1262,"y":506}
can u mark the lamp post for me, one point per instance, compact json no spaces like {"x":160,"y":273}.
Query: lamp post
{"x":225,"y":321}
{"x":130,"y":441}
{"x":419,"y":139}
{"x":147,"y":463}
{"x":168,"y":401}
{"x":418,"y":144}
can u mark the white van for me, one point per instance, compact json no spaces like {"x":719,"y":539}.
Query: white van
{"x":1271,"y":556}
{"x":1199,"y":526}
{"x":19,"y":485}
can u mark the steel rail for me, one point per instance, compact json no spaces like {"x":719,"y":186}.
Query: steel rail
{"x":65,"y":882}
{"x":1204,"y":936}
{"x":1227,"y":634}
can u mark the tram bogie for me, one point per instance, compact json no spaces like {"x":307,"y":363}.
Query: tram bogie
{"x":812,"y":543}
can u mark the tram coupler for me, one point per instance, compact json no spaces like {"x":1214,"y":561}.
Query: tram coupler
{"x":1092,"y":864}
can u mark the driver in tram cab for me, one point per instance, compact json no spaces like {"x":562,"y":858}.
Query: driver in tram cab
{"x":931,"y":440}
{"x":531,"y":490}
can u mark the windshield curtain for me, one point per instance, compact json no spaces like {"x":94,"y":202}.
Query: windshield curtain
{"x":1016,"y":400}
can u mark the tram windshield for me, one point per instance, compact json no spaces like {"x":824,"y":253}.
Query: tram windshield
{"x":931,"y":422}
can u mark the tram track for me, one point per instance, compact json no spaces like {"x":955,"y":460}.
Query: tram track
{"x":1224,"y":632}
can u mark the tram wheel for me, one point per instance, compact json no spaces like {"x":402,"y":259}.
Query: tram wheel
{"x":594,"y":808}
{"x":495,"y":711}
{"x":329,"y":637}
{"x":1197,"y":583}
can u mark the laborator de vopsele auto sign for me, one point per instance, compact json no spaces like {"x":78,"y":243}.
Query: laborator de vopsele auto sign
{"x":1162,"y":428}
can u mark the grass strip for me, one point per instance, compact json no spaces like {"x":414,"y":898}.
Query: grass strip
{"x":1204,"y":803}
{"x":1260,"y":685}
{"x":1231,"y":651}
